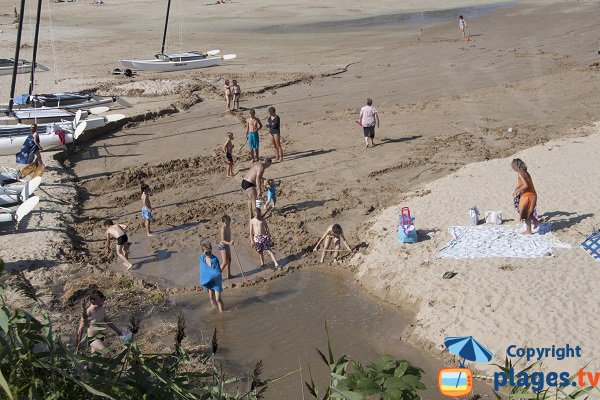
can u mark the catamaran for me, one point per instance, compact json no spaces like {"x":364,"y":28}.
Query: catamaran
{"x":177,"y":61}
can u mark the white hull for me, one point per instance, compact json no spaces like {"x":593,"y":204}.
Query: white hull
{"x":169,"y":66}
{"x":127,"y":63}
{"x":12,"y":145}
{"x":21,"y":69}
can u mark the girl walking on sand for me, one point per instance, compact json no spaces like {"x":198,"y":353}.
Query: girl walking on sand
{"x":462,"y":24}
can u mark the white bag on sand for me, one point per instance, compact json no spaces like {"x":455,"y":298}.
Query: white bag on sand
{"x":474,"y":215}
{"x":493,"y":217}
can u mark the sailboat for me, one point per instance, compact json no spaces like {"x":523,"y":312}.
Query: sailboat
{"x":67,"y":100}
{"x":6,"y":66}
{"x":15,"y":124}
{"x":178,"y":61}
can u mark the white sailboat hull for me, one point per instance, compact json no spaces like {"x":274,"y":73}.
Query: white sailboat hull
{"x":23,"y":67}
{"x":12,"y":145}
{"x":169,"y":66}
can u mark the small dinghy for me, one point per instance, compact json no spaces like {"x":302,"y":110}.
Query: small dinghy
{"x":7,"y":66}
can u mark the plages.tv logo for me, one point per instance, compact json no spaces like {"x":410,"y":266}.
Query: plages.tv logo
{"x":458,"y":382}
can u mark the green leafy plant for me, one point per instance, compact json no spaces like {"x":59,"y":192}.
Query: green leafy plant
{"x":387,"y":379}
{"x":36,"y":364}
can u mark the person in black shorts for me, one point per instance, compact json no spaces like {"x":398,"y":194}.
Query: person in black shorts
{"x":368,"y":118}
{"x":117,"y":231}
{"x":252,"y":183}
{"x":228,"y":150}
{"x":273,"y":124}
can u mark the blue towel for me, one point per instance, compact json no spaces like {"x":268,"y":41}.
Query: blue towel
{"x":22,"y":99}
{"x":210,"y":276}
{"x":27,"y":153}
{"x":592,"y":245}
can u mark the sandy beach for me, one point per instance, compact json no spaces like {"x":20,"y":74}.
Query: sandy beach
{"x":444,"y":145}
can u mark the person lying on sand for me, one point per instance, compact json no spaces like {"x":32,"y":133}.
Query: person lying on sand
{"x":252,"y":183}
{"x":146,"y":208}
{"x":260,"y":238}
{"x":96,"y":316}
{"x":117,"y":231}
{"x":526,"y":193}
{"x":210,"y":276}
{"x":253,"y":125}
{"x":228,"y":150}
{"x":224,"y":243}
{"x":336,"y":234}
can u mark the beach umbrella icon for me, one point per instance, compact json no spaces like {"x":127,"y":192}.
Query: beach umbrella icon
{"x":469,"y":349}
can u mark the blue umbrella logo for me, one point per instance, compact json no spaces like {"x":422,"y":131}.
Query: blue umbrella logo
{"x":469,"y":349}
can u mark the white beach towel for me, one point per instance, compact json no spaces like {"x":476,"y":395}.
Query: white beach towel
{"x":498,"y":241}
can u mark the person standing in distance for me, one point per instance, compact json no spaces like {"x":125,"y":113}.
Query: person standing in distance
{"x":368,"y":118}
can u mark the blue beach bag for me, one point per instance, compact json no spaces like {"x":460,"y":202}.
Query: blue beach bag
{"x":407,"y":233}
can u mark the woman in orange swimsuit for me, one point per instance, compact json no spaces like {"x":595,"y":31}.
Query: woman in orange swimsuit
{"x":227,"y":89}
{"x":526,"y":191}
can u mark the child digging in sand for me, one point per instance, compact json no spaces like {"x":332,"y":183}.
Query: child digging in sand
{"x":260,"y":238}
{"x":336,"y":234}
{"x":146,"y":208}
{"x":228,"y":150}
{"x":526,"y":193}
{"x":224,"y":243}
{"x":117,"y":231}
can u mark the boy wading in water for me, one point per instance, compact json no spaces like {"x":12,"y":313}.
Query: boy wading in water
{"x":228,"y":150}
{"x":117,"y":231}
{"x":98,"y":321}
{"x":146,"y":208}
{"x":210,"y":276}
{"x":253,"y":125}
{"x":224,"y":243}
{"x":526,"y":194}
{"x":252,"y":183}
{"x":260,"y":238}
{"x":336,"y":234}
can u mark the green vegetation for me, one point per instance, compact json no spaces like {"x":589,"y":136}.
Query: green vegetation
{"x":36,"y":364}
{"x":387,"y":379}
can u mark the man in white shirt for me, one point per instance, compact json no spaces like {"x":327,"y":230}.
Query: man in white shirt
{"x":368,"y":118}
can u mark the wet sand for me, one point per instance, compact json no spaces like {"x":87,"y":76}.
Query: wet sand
{"x":443,"y":104}
{"x":282,"y":322}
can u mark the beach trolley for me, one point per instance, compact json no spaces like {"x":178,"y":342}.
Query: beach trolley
{"x":407,"y":233}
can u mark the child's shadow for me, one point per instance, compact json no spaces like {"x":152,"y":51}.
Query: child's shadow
{"x":158,"y":256}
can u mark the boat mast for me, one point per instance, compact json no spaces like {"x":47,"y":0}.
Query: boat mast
{"x":16,"y":64}
{"x":35,"y":47}
{"x":162,"y":49}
